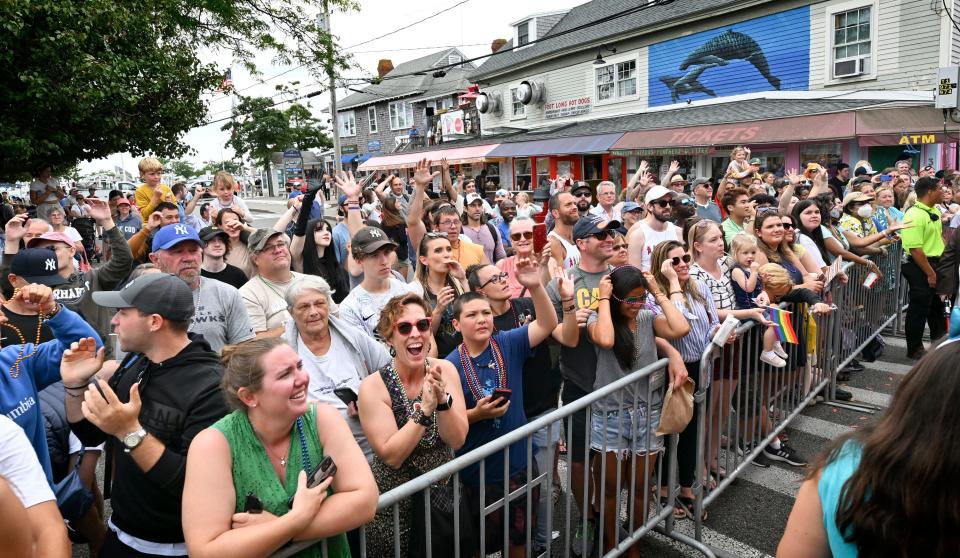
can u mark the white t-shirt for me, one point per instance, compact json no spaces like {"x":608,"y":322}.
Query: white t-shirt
{"x":373,"y":211}
{"x":39,"y":186}
{"x":72,"y":233}
{"x":812,"y":249}
{"x":220,"y":316}
{"x":237,"y":202}
{"x":362,"y":309}
{"x":263,"y":300}
{"x":20,"y":466}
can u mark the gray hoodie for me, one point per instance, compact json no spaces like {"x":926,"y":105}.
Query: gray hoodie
{"x":361,"y":356}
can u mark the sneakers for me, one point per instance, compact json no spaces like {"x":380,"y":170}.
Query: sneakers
{"x":843,"y":395}
{"x":785,"y":454}
{"x":761,"y":461}
{"x":583,"y":542}
{"x":773,"y":359}
{"x":778,"y":349}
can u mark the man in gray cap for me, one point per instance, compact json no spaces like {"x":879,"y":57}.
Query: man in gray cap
{"x":373,"y":249}
{"x":163,"y":394}
{"x":263,"y":295}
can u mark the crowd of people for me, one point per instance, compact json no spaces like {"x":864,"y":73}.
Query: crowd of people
{"x":248,"y":388}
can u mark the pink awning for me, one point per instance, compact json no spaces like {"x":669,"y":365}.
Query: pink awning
{"x":457,"y":155}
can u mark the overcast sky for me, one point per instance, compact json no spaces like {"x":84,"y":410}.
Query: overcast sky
{"x":471,"y":26}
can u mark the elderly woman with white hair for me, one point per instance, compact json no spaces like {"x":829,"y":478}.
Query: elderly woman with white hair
{"x":336,"y":354}
{"x":521,"y":238}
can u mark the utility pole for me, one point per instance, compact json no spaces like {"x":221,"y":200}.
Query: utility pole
{"x":331,"y":73}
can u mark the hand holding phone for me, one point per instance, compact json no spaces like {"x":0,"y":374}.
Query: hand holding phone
{"x":503,"y":394}
{"x":326,"y":469}
{"x":346,"y":395}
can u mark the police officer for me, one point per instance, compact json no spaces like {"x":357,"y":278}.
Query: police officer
{"x":923,"y":243}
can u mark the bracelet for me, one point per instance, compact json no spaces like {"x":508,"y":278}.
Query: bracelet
{"x":84,"y":386}
{"x":75,"y":395}
{"x":569,"y":309}
{"x":566,"y":299}
{"x":676,"y":292}
{"x":602,"y":298}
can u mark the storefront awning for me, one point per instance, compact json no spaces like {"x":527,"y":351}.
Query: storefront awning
{"x":363,"y":157}
{"x":779,"y":130}
{"x":901,"y":126}
{"x":454,"y":156}
{"x":558,"y":146}
{"x":347,"y":159}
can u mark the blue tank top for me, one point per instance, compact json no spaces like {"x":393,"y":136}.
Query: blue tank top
{"x":744,"y":300}
{"x":832,"y":479}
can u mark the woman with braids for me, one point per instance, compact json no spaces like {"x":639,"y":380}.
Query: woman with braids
{"x":413,"y":415}
{"x":625,"y":332}
{"x":259,"y":457}
{"x":889,"y":490}
{"x":443,"y":280}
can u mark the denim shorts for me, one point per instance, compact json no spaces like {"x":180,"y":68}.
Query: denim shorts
{"x":626,"y":431}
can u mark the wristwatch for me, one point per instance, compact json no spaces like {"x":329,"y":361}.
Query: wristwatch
{"x":133,"y":439}
{"x":446,"y":404}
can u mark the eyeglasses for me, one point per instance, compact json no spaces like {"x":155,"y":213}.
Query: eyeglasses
{"x":632,"y":300}
{"x":677,"y":259}
{"x":526,"y":235}
{"x":405,"y":328}
{"x":602,"y":235}
{"x":665,"y":203}
{"x":274,"y":247}
{"x":450,"y":223}
{"x":582,"y":195}
{"x":498,"y":278}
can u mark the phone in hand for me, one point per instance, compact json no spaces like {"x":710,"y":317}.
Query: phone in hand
{"x":326,"y":469}
{"x":503,"y":394}
{"x":539,"y":237}
{"x":346,"y":395}
{"x":252,"y":503}
{"x":885,"y":178}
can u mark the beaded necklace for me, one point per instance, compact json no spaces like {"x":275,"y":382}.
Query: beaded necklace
{"x":470,"y":369}
{"x":395,"y":386}
{"x":516,"y":317}
{"x":15,"y":367}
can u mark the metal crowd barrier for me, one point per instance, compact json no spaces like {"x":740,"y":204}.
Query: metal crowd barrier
{"x":635,"y":516}
{"x":747,"y":403}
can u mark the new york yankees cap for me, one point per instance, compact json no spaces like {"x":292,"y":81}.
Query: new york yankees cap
{"x":171,"y":235}
{"x":37,"y":265}
{"x":153,"y":293}
{"x":370,"y":239}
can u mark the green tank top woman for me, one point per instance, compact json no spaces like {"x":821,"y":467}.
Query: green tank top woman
{"x":252,"y":471}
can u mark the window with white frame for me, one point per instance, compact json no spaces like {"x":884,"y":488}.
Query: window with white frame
{"x":454,"y":59}
{"x":517,"y":109}
{"x":348,"y":124}
{"x":523,"y":33}
{"x":617,"y":81}
{"x":372,"y":119}
{"x":851,"y":40}
{"x":401,"y":115}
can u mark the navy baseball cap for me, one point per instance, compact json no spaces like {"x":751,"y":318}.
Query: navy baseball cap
{"x":171,"y":235}
{"x":154,"y":293}
{"x":589,"y":225}
{"x":37,"y":265}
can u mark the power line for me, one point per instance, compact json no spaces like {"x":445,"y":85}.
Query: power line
{"x":408,"y":26}
{"x":437,"y":47}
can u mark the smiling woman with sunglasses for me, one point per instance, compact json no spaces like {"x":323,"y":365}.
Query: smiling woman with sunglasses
{"x":413,"y":415}
{"x":521,"y":237}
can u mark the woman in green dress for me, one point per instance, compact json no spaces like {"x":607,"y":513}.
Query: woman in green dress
{"x":263,"y":451}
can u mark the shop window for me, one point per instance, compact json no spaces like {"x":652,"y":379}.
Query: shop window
{"x":770,"y":161}
{"x":348,"y":123}
{"x":517,"y":109}
{"x":851,"y":29}
{"x":564,"y":168}
{"x":592,"y":167}
{"x":543,"y":170}
{"x":523,"y":171}
{"x":617,"y":81}
{"x":614,"y":174}
{"x":826,"y":154}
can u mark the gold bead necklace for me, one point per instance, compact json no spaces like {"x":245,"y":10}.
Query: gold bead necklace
{"x":15,"y":368}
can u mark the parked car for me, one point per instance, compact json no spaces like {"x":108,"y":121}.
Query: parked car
{"x":296,"y":185}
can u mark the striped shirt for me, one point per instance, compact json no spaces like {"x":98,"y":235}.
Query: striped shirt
{"x":703,"y":323}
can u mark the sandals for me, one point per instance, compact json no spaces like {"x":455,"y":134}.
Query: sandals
{"x":688,"y":506}
{"x":679,"y":511}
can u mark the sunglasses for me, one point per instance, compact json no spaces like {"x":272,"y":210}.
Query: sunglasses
{"x":582,"y":195}
{"x":684,"y":258}
{"x":665,"y":203}
{"x":527,"y":235}
{"x":619,"y":246}
{"x":602,"y":235}
{"x":787,"y":226}
{"x":631,"y":300}
{"x":405,"y":328}
{"x":498,"y":278}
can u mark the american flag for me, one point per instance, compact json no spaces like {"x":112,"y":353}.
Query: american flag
{"x":227,"y":83}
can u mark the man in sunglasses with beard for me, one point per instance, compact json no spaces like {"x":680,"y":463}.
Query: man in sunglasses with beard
{"x":653,"y":229}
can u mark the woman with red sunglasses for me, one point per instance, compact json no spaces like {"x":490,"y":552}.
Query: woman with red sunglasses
{"x":413,"y":415}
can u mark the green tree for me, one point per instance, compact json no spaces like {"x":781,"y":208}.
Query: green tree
{"x":182,"y":168}
{"x":259,"y":130}
{"x":85,"y":79}
{"x":232,"y":167}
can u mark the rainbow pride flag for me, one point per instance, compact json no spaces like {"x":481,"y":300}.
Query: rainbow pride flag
{"x":784,"y":327}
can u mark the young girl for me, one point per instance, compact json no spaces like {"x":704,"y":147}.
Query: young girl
{"x":747,"y":287}
{"x":738,"y":167}
{"x":223,"y":187}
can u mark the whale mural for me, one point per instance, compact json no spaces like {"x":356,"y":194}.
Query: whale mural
{"x":761,"y":54}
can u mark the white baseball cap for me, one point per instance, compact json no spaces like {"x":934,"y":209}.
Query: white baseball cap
{"x":656,"y":193}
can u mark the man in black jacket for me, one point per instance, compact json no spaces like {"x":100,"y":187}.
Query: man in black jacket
{"x":164,"y":393}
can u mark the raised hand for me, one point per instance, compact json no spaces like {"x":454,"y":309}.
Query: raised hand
{"x":456,"y":270}
{"x":346,"y":183}
{"x":606,"y":287}
{"x":564,"y":282}
{"x":155,"y":220}
{"x":652,"y":286}
{"x":793,"y":177}
{"x":422,"y":175}
{"x":666,"y":268}
{"x":674,"y":166}
{"x":99,"y":210}
{"x":38,"y":296}
{"x":81,"y":362}
{"x":16,"y":227}
{"x":528,"y":272}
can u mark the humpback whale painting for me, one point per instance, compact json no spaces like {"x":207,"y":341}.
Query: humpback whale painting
{"x":762,"y":54}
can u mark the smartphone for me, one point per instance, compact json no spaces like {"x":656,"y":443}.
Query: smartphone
{"x":885,"y":178}
{"x":326,"y":469}
{"x":503,"y":394}
{"x":346,"y":395}
{"x":252,"y":504}
{"x":539,"y":237}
